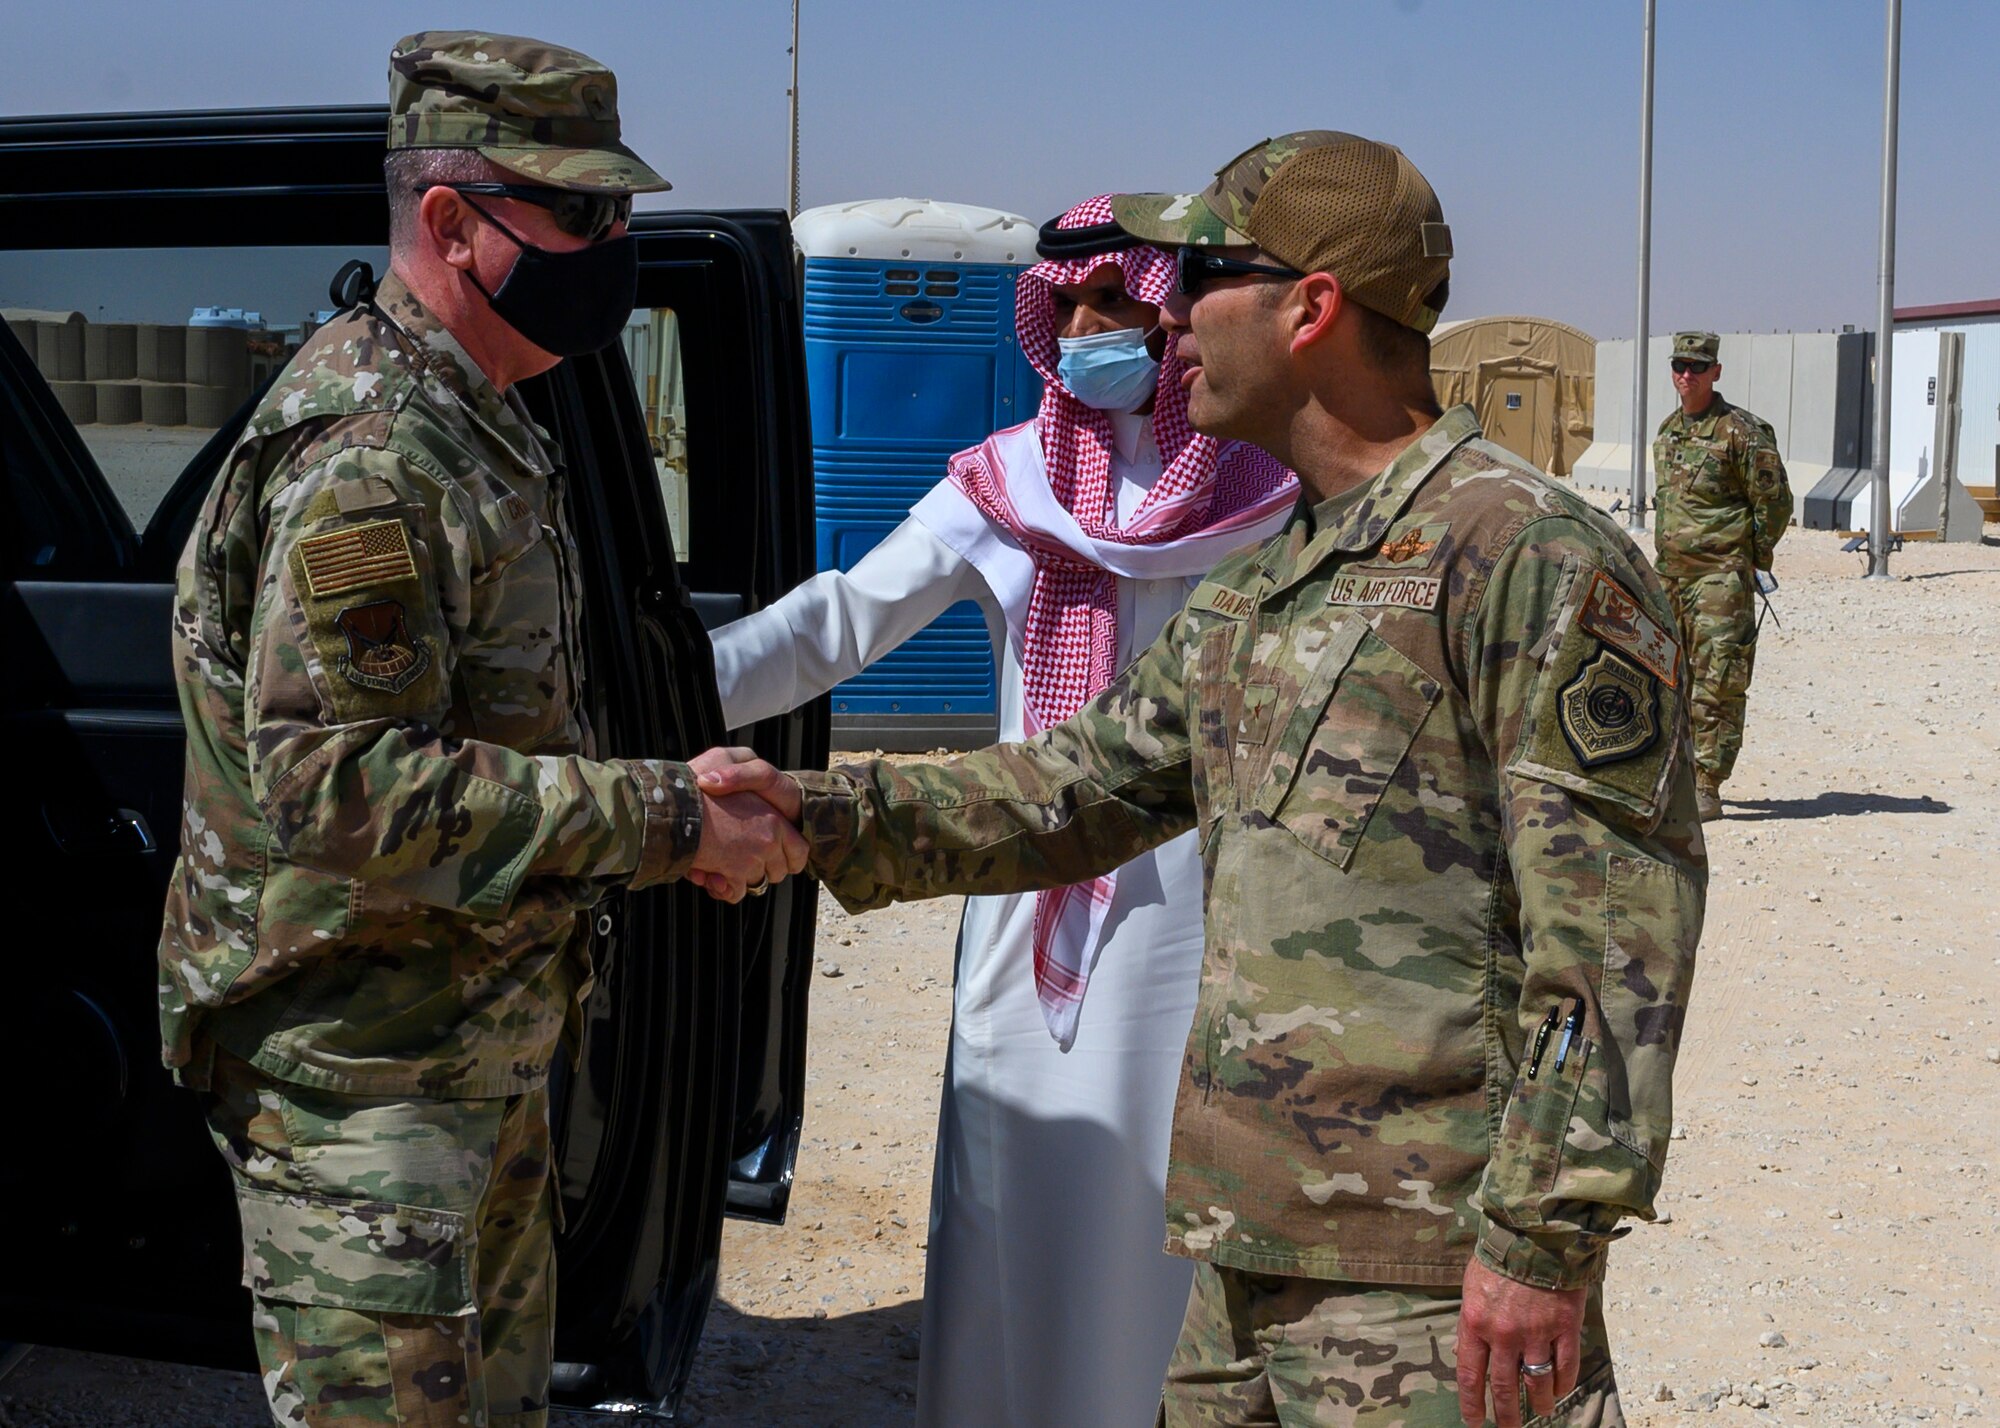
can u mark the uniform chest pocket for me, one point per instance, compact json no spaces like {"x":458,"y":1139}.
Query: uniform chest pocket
{"x":1349,"y":733}
{"x":1705,"y":465}
{"x":515,"y":674}
{"x":1215,"y":720}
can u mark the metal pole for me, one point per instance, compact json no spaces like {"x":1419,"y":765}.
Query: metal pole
{"x":1636,"y":507}
{"x":1885,"y":316}
{"x":792,"y":166}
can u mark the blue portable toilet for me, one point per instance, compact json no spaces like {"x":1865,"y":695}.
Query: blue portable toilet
{"x":910,"y":356}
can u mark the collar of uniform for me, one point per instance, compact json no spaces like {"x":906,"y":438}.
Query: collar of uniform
{"x":1356,"y":520}
{"x":502,"y":414}
{"x":1703,"y":425}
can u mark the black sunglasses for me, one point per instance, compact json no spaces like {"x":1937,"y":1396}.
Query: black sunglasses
{"x":1194,"y":268}
{"x":1688,"y":367}
{"x":581,"y":215}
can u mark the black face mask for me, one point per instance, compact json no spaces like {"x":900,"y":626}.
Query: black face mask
{"x":566,"y":303}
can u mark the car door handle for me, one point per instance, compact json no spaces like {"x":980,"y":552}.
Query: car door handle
{"x":124,"y":831}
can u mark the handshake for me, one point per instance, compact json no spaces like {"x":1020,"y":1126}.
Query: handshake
{"x":750,"y":835}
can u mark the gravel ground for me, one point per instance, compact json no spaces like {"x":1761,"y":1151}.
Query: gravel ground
{"x":1830,"y":1247}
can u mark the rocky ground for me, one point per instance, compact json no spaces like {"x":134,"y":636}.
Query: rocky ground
{"x":1829,"y":1251}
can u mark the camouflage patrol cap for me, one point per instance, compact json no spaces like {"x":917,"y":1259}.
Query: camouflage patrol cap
{"x":1696,"y":347}
{"x":544,"y":113}
{"x":1321,"y":202}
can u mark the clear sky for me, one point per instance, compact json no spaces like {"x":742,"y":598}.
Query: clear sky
{"x":1525,"y":116}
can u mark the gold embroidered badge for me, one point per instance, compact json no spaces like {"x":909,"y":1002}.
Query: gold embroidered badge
{"x":1415,"y":545}
{"x":343,"y":560}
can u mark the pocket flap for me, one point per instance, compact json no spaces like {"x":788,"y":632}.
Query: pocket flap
{"x":369,"y":1255}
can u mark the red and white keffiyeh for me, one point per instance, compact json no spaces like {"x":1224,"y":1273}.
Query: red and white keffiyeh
{"x":1212,"y":498}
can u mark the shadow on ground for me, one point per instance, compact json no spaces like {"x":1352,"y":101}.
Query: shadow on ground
{"x":1827,"y":805}
{"x":1953,"y":574}
{"x":794,"y":1371}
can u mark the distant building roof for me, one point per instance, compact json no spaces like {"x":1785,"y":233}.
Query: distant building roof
{"x":1990,"y":307}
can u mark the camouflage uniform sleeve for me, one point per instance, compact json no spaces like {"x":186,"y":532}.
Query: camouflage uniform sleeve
{"x":352,"y":650}
{"x":1075,"y":801}
{"x":1770,"y":494}
{"x":1586,"y":720}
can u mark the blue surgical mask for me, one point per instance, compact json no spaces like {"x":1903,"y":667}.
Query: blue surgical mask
{"x":1111,"y":371}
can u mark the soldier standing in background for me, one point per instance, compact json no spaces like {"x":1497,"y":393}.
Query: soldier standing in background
{"x":1723,"y":502}
{"x":393,"y":812}
{"x":1433,"y":739}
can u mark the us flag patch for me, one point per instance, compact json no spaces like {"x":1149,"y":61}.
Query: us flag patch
{"x":344,"y":560}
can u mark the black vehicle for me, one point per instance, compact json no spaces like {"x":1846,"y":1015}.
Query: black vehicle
{"x":118,"y":403}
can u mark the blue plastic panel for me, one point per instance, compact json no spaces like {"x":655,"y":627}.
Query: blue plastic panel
{"x":907,"y":362}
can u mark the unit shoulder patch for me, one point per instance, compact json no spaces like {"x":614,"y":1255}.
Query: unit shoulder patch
{"x":377,"y":553}
{"x":1618,"y":619}
{"x":380,"y":655}
{"x":1610,"y":710}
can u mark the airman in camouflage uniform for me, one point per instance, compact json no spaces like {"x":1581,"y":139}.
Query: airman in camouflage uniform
{"x":1723,"y":502}
{"x":393,"y":816}
{"x":1434,"y":738}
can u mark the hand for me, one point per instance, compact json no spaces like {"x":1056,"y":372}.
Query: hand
{"x":745,"y":842}
{"x":731,"y":771}
{"x":1504,"y":1324}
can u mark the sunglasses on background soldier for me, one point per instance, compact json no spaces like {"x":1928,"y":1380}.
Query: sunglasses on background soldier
{"x":1195,"y":267}
{"x":1687,"y":366}
{"x":581,"y":215}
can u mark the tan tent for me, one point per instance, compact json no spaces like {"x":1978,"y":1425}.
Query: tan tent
{"x":1531,"y":379}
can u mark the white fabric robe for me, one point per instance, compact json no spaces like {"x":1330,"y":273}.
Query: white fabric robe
{"x":1048,"y":1300}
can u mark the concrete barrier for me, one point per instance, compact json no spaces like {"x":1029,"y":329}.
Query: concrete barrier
{"x":164,"y":404}
{"x":162,"y":352}
{"x":218,"y":357}
{"x":1812,"y":387}
{"x":110,"y":352}
{"x":117,"y":403}
{"x":78,"y":401}
{"x":212,"y":406}
{"x":59,"y":350}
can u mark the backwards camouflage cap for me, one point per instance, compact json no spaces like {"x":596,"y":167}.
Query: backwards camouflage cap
{"x":1321,"y":202}
{"x":1696,"y":347}
{"x":544,"y":113}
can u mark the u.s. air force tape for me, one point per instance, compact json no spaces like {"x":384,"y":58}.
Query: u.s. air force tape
{"x":1409,"y":592}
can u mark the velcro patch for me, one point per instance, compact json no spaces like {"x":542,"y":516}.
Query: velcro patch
{"x":372,"y":554}
{"x":1409,"y":592}
{"x":1619,"y":620}
{"x":515,"y":508}
{"x":1223,"y":601}
{"x":367,"y":494}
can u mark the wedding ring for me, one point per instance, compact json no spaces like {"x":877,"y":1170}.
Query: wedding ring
{"x":1538,"y":1370}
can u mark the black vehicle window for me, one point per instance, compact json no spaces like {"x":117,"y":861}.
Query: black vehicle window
{"x":149,"y":351}
{"x":653,"y":351}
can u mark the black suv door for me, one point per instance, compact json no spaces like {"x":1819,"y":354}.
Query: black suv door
{"x":155,"y":272}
